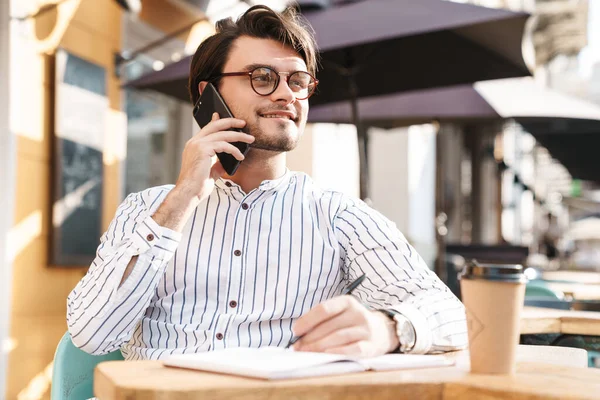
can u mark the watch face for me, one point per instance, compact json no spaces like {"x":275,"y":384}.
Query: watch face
{"x":406,"y":333}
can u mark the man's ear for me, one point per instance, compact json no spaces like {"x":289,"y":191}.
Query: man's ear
{"x":201,"y":87}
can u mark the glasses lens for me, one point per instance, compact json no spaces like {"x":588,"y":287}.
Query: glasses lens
{"x":264,"y":80}
{"x":302,"y":84}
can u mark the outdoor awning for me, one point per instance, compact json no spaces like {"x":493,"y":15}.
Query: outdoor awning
{"x":390,"y":46}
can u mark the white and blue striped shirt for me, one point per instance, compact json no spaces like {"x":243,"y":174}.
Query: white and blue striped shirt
{"x":245,"y":267}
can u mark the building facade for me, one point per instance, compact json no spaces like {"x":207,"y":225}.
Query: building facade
{"x":32,"y":33}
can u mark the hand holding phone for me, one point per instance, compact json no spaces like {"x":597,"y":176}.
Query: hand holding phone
{"x":199,"y":168}
{"x":210,"y":102}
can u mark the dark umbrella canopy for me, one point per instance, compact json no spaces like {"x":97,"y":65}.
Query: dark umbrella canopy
{"x":574,"y":143}
{"x":389,"y":46}
{"x":172,"y":80}
{"x":455,"y":103}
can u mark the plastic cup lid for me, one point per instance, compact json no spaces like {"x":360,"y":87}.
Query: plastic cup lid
{"x":494,"y":272}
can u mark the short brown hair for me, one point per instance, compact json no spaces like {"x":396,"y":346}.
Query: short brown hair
{"x":287,"y":27}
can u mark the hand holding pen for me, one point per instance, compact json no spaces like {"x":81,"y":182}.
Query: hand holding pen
{"x":343,"y":325}
{"x":347,"y":291}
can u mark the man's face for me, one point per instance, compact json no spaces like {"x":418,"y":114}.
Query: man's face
{"x":277,"y":121}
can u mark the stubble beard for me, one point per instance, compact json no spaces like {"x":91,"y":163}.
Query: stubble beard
{"x":279,"y":141}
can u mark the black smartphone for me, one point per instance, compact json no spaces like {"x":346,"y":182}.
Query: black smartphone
{"x":210,"y":102}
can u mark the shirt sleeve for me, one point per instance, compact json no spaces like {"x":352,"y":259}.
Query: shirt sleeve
{"x":397,"y":278}
{"x":101,"y":315}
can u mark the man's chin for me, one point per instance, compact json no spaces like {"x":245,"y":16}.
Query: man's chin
{"x":277,"y":141}
{"x":278,"y":137}
{"x":280,"y":147}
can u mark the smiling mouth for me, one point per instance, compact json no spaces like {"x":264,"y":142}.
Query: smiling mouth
{"x":278,"y":116}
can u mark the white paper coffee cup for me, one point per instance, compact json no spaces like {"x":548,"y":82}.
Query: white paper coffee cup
{"x":493,"y":296}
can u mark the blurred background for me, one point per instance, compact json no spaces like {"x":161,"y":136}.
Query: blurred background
{"x":504,"y":170}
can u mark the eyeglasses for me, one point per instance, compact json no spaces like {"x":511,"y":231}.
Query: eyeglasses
{"x":265,"y":81}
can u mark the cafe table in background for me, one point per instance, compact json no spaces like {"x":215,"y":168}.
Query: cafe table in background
{"x":568,"y":328}
{"x":587,"y":277}
{"x":577,"y":285}
{"x":576,"y":290}
{"x":536,"y":320}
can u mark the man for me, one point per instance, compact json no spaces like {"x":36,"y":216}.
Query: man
{"x":258,"y":258}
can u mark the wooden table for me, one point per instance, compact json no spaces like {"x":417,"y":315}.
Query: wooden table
{"x":546,"y":320}
{"x":534,"y":380}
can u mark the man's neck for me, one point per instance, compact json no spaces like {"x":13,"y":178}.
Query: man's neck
{"x":259,"y":166}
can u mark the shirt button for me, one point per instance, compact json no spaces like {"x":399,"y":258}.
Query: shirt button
{"x":219,"y":336}
{"x":233,"y":304}
{"x":245,"y":206}
{"x":228,"y":184}
{"x":150,"y":237}
{"x":237,"y":253}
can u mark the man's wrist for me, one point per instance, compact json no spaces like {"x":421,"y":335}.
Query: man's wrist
{"x":185,"y":196}
{"x":176,"y":209}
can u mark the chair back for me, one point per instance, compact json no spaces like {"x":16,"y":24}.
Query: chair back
{"x":539,"y":289}
{"x":73,"y":371}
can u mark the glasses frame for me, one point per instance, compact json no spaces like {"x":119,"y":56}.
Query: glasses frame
{"x":287,"y":80}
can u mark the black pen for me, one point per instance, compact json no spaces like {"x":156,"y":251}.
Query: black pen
{"x":348,"y":290}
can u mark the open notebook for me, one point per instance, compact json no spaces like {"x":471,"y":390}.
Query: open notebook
{"x":278,"y":363}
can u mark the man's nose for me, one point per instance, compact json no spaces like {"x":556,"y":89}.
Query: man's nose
{"x":283,"y":93}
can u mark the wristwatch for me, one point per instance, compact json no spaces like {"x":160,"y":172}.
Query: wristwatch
{"x":404,"y":329}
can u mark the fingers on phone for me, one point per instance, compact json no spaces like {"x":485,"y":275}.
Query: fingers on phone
{"x":244,"y":137}
{"x":231,"y":136}
{"x":220,"y":125}
{"x":223,"y":124}
{"x":237,"y":123}
{"x":225,"y":147}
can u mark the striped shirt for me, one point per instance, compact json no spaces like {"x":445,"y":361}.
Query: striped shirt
{"x":245,"y":267}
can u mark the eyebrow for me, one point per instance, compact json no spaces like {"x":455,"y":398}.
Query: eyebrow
{"x":251,"y":67}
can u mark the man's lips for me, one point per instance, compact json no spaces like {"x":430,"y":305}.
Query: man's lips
{"x":279,"y":114}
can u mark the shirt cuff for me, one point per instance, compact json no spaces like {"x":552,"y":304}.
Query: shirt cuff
{"x":154,"y":245}
{"x":424,"y":336}
{"x":151,"y":236}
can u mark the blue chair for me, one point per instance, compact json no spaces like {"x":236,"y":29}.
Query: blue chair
{"x":73,"y":371}
{"x":539,"y":289}
{"x":538,"y":294}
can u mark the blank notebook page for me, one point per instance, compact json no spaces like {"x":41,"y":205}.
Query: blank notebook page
{"x":278,"y":363}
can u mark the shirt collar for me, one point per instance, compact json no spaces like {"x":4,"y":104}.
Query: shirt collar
{"x":274,"y":184}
